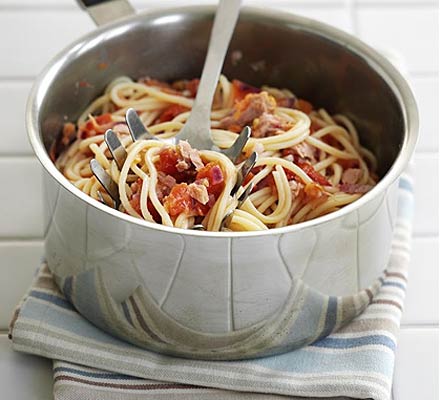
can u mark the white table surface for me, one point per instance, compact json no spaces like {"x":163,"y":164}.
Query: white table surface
{"x":31,"y":31}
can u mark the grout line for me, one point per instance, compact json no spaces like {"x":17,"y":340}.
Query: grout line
{"x":5,"y":79}
{"x":351,"y":7}
{"x":17,"y":157}
{"x":423,"y":74}
{"x":17,"y":78}
{"x":21,"y":241}
{"x":40,"y":7}
{"x":426,"y":234}
{"x":393,"y":4}
{"x":142,"y":6}
{"x":302,"y":4}
{"x":423,"y":237}
{"x":53,"y":6}
{"x":40,"y":239}
{"x":407,"y":326}
{"x":425,"y":155}
{"x":419,"y":154}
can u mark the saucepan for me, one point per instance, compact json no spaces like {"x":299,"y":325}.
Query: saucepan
{"x":222,"y":295}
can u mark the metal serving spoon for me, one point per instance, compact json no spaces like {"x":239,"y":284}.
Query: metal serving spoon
{"x":197,"y":129}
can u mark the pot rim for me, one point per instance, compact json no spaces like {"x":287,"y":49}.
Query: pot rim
{"x":374,"y":59}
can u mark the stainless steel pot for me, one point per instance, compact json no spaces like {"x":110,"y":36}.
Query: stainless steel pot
{"x":223,"y":295}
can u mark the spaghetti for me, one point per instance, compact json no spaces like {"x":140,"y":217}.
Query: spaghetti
{"x":310,"y":163}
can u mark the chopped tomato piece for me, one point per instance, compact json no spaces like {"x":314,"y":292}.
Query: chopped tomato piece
{"x":241,"y":89}
{"x":214,"y":174}
{"x":313,"y":191}
{"x":268,"y":181}
{"x":104,"y":119}
{"x":289,"y":174}
{"x":331,"y":141}
{"x":93,"y":128}
{"x":304,"y":106}
{"x":180,"y":201}
{"x":248,"y":178}
{"x":314,"y":127}
{"x":352,"y":163}
{"x":171,"y":112}
{"x":167,"y":162}
{"x":288,"y":152}
{"x":154,"y":82}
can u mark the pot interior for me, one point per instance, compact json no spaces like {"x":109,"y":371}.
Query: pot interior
{"x":294,"y":54}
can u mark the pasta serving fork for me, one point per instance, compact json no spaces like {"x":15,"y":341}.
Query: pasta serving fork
{"x":197,"y":129}
{"x":139,"y":132}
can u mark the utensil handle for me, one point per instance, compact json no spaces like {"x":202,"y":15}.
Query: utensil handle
{"x":105,"y":11}
{"x":224,"y":24}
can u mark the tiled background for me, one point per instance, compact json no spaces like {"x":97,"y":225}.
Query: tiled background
{"x":31,"y":31}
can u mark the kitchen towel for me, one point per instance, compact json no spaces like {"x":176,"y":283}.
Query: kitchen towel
{"x":355,"y":362}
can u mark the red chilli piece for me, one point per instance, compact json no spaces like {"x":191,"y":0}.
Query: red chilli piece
{"x":241,"y":89}
{"x":192,"y":86}
{"x":135,"y":202}
{"x":312,"y":173}
{"x":304,"y":106}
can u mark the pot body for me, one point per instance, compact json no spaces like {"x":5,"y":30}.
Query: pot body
{"x":224,"y":295}
{"x":216,"y":298}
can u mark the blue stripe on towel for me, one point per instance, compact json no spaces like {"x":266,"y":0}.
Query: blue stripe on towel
{"x":67,"y":288}
{"x":330,"y":318}
{"x":405,"y":210}
{"x":348,"y":343}
{"x":71,"y":323}
{"x":405,"y":184}
{"x":315,"y":360}
{"x":100,"y":375}
{"x":52,"y":299}
{"x":396,"y":284}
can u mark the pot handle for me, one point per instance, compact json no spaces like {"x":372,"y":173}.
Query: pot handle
{"x":105,"y":11}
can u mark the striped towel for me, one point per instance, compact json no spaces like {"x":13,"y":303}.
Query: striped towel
{"x":355,"y":362}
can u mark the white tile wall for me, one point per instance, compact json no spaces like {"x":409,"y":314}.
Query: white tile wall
{"x":421,"y":301}
{"x":32,"y":31}
{"x":419,"y":349}
{"x":426,"y":194}
{"x":13,"y":95}
{"x":39,"y":35}
{"x":22,"y":202}
{"x":19,"y":261}
{"x":424,"y":88}
{"x":412,"y":30}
